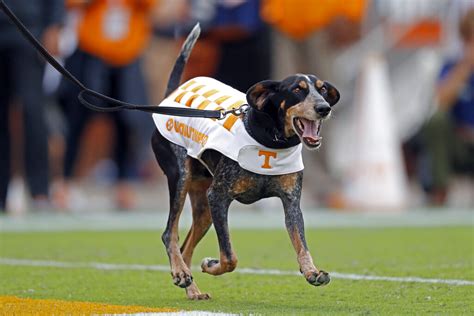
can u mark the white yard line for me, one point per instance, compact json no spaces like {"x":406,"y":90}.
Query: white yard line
{"x":239,"y":219}
{"x":164,"y":268}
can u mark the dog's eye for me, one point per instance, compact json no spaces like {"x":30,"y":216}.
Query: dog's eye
{"x":297,"y":89}
{"x":323,"y":90}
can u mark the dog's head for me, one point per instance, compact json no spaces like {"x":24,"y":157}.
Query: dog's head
{"x":297,"y":105}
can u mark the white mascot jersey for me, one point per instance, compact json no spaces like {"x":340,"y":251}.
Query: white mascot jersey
{"x":227,"y":136}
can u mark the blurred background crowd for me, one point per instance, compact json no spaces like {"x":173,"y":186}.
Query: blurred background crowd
{"x":402,"y":135}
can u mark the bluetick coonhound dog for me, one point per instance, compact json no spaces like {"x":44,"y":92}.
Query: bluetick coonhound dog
{"x":281,"y":114}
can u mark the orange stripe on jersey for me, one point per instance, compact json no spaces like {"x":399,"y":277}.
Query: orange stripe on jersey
{"x":191,"y":99}
{"x":180,"y":96}
{"x":187,"y":85}
{"x":235,"y":105}
{"x":203,"y":104}
{"x":222,"y":99}
{"x":230,"y":121}
{"x":197,"y":88}
{"x":209,"y":93}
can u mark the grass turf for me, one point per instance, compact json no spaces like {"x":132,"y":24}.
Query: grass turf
{"x":444,"y":252}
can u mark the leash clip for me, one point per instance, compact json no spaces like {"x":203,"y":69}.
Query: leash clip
{"x":234,"y":111}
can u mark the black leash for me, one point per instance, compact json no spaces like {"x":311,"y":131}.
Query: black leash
{"x":119,"y":105}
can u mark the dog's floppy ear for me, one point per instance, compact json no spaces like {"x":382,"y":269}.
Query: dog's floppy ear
{"x":332,"y":96}
{"x":259,"y":93}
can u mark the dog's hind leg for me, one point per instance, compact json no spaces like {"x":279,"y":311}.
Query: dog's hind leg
{"x":290,"y":193}
{"x":201,"y":222}
{"x":201,"y":179}
{"x":219,"y":201}
{"x":175,"y":164}
{"x":219,"y":204}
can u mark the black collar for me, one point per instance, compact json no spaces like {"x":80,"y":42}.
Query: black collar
{"x":262,"y":128}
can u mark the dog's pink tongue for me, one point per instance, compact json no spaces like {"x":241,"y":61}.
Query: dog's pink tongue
{"x":310,"y":129}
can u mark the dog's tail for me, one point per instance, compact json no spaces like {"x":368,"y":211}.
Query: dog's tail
{"x":177,"y":72}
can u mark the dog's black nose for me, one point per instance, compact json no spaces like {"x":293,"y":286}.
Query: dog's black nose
{"x":323,"y":109}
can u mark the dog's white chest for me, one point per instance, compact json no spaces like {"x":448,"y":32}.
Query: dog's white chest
{"x":228,"y":136}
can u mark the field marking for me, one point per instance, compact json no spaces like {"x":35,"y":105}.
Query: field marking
{"x":13,"y":305}
{"x":239,"y":219}
{"x":164,"y":268}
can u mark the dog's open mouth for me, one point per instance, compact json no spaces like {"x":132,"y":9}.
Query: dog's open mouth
{"x":308,"y":131}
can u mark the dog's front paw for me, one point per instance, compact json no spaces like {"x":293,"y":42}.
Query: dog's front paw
{"x":193,"y":293}
{"x":182,"y":279}
{"x":317,"y":279}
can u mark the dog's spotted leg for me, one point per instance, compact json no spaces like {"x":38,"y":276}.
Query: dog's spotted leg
{"x":201,"y":218}
{"x":178,"y":185}
{"x":175,"y":164}
{"x":201,"y":223}
{"x":290,"y":196}
{"x":219,"y":201}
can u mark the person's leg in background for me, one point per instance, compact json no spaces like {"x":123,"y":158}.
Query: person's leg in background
{"x":28,"y":74}
{"x":124,"y":152}
{"x":448,"y":153}
{"x":92,"y":73}
{"x":76,"y":123}
{"x":75,"y":115}
{"x":5,"y":89}
{"x":463,"y":170}
{"x":438,"y":139}
{"x":134,"y":128}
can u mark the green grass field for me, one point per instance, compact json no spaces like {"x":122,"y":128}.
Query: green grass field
{"x":440,"y":253}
